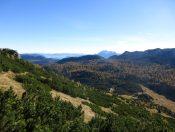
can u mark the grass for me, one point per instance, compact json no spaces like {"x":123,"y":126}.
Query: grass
{"x":7,"y":81}
{"x":160,"y":99}
{"x":88,"y":113}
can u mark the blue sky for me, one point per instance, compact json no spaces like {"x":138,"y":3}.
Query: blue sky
{"x":86,"y":26}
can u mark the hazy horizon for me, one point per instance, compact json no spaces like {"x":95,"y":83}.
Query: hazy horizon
{"x":78,"y":53}
{"x":88,"y":26}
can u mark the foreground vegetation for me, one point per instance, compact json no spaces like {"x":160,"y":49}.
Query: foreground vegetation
{"x":36,"y":110}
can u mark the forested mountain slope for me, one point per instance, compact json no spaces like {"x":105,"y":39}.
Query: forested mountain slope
{"x":37,"y":110}
{"x":121,"y":75}
{"x":124,"y":73}
{"x":158,"y":56}
{"x":82,"y":59}
{"x":101,"y":76}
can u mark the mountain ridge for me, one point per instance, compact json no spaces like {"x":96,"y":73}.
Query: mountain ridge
{"x":159,"y":56}
{"x":83,"y":59}
{"x":38,"y":59}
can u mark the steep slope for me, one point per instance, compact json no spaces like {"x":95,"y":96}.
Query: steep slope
{"x":7,"y":81}
{"x":88,"y":113}
{"x":159,"y":99}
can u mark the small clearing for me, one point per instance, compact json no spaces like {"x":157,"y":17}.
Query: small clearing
{"x":160,"y":99}
{"x":88,"y":113}
{"x":7,"y":81}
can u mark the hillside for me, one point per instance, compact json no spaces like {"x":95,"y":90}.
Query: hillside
{"x":101,"y":76}
{"x":88,"y":113}
{"x":38,"y":59}
{"x":159,"y":99}
{"x":158,"y":56}
{"x":123,"y":75}
{"x":82,"y":59}
{"x":7,"y":81}
{"x":38,"y":109}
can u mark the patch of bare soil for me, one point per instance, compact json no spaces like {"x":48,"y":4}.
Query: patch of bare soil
{"x":7,"y":81}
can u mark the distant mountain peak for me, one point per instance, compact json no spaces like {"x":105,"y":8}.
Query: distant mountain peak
{"x":106,"y":54}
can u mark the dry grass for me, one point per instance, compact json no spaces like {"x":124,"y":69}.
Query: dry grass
{"x":152,"y":110}
{"x":7,"y":81}
{"x":159,"y":99}
{"x":110,"y":94}
{"x":155,"y":111}
{"x":88,"y":113}
{"x":107,"y":110}
{"x":128,"y":97}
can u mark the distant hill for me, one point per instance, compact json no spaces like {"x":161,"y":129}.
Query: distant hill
{"x":159,"y":56}
{"x":106,"y":54}
{"x":82,"y":59}
{"x":47,"y":58}
{"x":32,"y":56}
{"x":61,"y":55}
{"x":38,"y":59}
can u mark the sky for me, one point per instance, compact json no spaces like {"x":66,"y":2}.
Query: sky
{"x":86,"y":26}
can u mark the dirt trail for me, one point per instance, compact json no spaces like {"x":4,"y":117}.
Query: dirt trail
{"x":159,"y":99}
{"x":88,"y":113}
{"x":7,"y":81}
